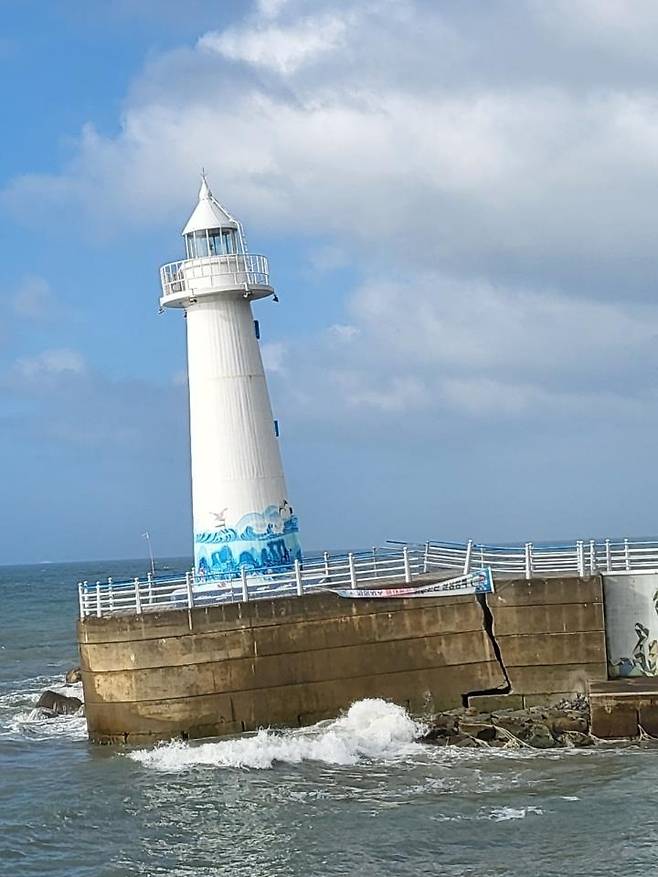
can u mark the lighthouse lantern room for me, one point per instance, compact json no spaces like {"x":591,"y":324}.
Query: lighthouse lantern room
{"x":241,"y":510}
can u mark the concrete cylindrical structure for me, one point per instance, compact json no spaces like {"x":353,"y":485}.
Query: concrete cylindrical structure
{"x":631,"y":621}
{"x":242,"y":516}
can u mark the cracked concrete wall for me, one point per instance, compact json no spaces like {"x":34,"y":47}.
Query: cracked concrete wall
{"x":226,"y":669}
{"x":551,"y":636}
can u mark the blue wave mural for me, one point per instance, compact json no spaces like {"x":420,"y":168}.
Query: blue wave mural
{"x":265,"y":542}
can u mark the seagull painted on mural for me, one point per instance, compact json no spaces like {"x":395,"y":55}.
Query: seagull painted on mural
{"x":220,"y":519}
{"x":285,"y":510}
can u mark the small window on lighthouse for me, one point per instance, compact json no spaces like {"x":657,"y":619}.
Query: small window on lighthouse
{"x":201,"y":243}
{"x":229,"y":240}
{"x":215,"y":241}
{"x":189,"y":246}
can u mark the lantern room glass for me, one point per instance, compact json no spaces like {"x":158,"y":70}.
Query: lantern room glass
{"x":211,"y":242}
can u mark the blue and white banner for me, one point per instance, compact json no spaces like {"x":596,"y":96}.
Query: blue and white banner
{"x":480,"y":581}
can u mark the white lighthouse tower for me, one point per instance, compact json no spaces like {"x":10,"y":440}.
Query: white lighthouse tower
{"x":242,"y":517}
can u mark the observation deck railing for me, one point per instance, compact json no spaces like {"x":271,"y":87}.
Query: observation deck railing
{"x":398,"y":561}
{"x":222,"y":270}
{"x":355,"y":569}
{"x":528,"y":560}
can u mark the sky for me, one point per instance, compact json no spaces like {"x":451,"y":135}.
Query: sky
{"x":459,"y":202}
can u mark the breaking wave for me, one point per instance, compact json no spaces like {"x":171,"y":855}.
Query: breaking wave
{"x":20,"y":717}
{"x":370,"y":729}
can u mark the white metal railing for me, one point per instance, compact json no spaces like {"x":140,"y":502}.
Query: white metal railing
{"x":528,"y":560}
{"x":233,"y":268}
{"x":398,"y":561}
{"x":189,"y":590}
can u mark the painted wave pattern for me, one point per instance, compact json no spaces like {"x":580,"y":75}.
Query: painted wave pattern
{"x":261,"y":541}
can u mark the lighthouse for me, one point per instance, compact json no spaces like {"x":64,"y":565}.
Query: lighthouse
{"x":241,"y":510}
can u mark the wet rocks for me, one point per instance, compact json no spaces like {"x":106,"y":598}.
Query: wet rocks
{"x":73,"y":676}
{"x":576,"y":739}
{"x":564,"y":725}
{"x":538,"y":736}
{"x":58,"y":704}
{"x":569,"y":722}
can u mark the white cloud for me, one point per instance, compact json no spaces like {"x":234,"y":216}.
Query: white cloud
{"x":445,"y":347}
{"x":343,"y":332}
{"x":474,"y":324}
{"x":500,"y":201}
{"x":33,"y":299}
{"x":536,"y":178}
{"x":274,"y":355}
{"x":271,"y":8}
{"x":279,"y":49}
{"x":619,"y":26}
{"x":489,"y":169}
{"x":398,"y":394}
{"x":50,"y":363}
{"x":328,"y":258}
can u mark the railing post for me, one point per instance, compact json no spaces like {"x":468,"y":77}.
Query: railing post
{"x":350,"y":561}
{"x":326,"y":565}
{"x":608,"y":559}
{"x":467,"y":559}
{"x":298,"y":578}
{"x":110,"y":592}
{"x":98,"y":599}
{"x":528,"y":560}
{"x":149,"y":582}
{"x":580,"y":558}
{"x":190,"y":592}
{"x":592,"y":556}
{"x":426,"y":556}
{"x":407,"y":568}
{"x":81,"y":600}
{"x":245,"y":586}
{"x":627,"y":556}
{"x":138,"y":597}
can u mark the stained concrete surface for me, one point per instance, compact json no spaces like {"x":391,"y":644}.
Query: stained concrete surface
{"x":293,"y":661}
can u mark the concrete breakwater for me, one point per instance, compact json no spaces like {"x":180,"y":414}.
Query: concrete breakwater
{"x":226,"y":669}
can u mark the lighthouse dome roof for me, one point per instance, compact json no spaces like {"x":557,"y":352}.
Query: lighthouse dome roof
{"x":208,"y":213}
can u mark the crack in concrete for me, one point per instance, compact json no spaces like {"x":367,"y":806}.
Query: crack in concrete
{"x":488,"y":625}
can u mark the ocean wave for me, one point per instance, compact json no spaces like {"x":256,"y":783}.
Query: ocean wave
{"x":20,"y":716}
{"x":371,"y":729}
{"x":38,"y":724}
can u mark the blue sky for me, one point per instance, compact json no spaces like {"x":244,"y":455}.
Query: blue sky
{"x":459,"y":205}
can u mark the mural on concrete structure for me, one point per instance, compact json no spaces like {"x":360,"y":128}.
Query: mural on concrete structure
{"x":632,"y":625}
{"x":264,"y":542}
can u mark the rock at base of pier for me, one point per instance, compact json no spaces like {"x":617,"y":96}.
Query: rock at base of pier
{"x":58,"y":704}
{"x":565,"y":725}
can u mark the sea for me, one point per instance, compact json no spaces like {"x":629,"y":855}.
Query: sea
{"x":358,"y":795}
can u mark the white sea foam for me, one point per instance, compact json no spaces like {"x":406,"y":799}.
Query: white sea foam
{"x":38,"y":724}
{"x":19,"y":714}
{"x":370,"y":729}
{"x":503,"y":814}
